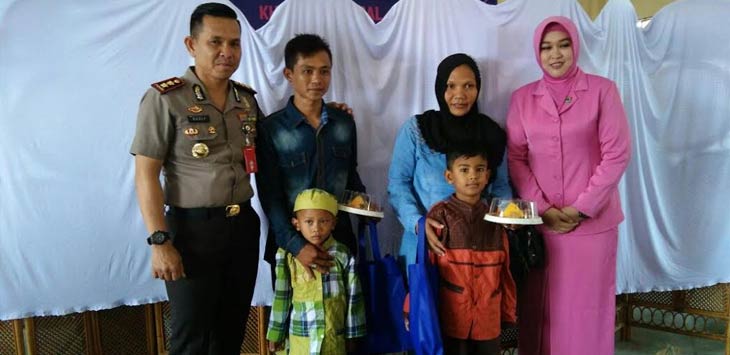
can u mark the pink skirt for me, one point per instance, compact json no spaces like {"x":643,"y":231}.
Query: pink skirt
{"x":569,"y":307}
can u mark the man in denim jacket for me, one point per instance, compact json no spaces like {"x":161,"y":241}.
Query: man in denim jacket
{"x":306,"y":145}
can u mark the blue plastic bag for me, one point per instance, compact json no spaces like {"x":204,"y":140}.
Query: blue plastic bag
{"x":384,"y":292}
{"x":423,"y":280}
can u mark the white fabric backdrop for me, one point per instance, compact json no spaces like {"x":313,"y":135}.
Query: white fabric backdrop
{"x":72,"y":74}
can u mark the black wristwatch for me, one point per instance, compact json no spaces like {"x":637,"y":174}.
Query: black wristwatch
{"x":158,"y":237}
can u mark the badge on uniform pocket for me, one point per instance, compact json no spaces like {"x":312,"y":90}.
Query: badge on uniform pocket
{"x":249,"y":129}
{"x":200,"y":150}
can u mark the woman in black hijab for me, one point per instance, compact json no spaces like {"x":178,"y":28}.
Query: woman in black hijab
{"x":416,"y":176}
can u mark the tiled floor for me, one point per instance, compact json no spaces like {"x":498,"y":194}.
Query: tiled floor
{"x":652,"y":342}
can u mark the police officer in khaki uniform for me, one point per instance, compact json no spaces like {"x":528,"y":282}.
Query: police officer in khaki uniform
{"x":199,"y":130}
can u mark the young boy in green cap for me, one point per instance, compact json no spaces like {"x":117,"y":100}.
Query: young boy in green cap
{"x":324,"y":312}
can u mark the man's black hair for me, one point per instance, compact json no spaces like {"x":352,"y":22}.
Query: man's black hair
{"x":306,"y":45}
{"x":211,"y":9}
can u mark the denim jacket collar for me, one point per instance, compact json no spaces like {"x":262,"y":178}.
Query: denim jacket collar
{"x":294,"y":117}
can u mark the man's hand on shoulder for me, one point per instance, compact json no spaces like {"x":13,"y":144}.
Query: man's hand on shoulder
{"x":340,"y":106}
{"x":313,"y":257}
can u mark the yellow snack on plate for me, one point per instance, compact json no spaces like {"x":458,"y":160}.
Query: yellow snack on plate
{"x":357,"y":202}
{"x":512,"y":211}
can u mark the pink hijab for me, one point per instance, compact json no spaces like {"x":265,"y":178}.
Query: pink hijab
{"x":558,"y":87}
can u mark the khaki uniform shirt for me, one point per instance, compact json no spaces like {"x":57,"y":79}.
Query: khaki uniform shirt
{"x":171,"y":122}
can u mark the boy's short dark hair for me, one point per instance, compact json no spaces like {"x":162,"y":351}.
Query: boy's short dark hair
{"x":493,"y":159}
{"x":306,"y":45}
{"x":452,"y":155}
{"x":211,"y":9}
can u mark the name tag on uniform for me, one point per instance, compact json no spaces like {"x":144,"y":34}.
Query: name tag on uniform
{"x":198,"y":118}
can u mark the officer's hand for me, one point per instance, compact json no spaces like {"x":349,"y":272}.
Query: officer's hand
{"x":166,"y":262}
{"x":313,"y":257}
{"x":341,"y":106}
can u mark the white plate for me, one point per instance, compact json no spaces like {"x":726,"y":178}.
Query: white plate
{"x":505,"y":220}
{"x":358,"y":211}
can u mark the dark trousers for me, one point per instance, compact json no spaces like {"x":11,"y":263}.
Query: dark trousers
{"x":471,"y":347}
{"x":210,"y":306}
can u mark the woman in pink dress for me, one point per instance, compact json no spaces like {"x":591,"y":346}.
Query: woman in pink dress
{"x":568,"y":146}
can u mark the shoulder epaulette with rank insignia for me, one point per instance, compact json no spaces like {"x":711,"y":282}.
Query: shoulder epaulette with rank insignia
{"x":168,"y":85}
{"x":244,"y":87}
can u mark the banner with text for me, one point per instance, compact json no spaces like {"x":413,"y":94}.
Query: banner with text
{"x":258,"y":12}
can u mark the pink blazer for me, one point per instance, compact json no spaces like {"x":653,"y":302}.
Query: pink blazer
{"x":572,"y":157}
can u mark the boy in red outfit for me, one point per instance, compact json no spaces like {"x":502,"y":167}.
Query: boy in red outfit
{"x":476,"y":289}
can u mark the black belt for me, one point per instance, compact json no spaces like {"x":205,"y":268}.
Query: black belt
{"x":232,"y":210}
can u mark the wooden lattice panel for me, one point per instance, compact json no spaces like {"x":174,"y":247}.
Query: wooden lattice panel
{"x":702,"y":312}
{"x":654,"y":298}
{"x":709,"y":299}
{"x":508,"y":339}
{"x":162,"y":319}
{"x":125,"y":330}
{"x":64,"y":335}
{"x":253,"y":341}
{"x":11,"y":342}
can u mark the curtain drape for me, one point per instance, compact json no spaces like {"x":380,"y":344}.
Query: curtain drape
{"x":72,"y":74}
